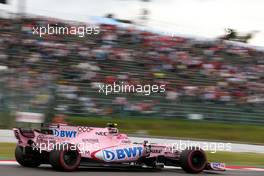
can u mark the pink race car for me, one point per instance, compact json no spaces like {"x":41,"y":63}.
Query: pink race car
{"x":67,"y":147}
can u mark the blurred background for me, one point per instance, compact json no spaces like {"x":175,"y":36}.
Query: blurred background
{"x":209,"y":54}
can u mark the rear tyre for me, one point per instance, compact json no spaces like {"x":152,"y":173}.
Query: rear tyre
{"x":65,"y":159}
{"x":27,"y":157}
{"x":193,"y":160}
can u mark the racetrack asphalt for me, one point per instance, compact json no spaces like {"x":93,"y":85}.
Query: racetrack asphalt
{"x":46,"y":170}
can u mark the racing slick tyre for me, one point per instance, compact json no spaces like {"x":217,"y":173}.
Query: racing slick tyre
{"x":193,"y":160}
{"x":27,"y":157}
{"x":65,"y":159}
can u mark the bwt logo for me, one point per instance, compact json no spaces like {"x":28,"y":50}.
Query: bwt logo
{"x":64,"y":133}
{"x":120,"y":154}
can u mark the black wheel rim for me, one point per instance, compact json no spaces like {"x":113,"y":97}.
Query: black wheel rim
{"x":198,"y":159}
{"x":70,"y":157}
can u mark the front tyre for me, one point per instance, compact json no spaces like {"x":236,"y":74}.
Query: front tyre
{"x":193,"y":160}
{"x":65,"y":159}
{"x":27,"y":157}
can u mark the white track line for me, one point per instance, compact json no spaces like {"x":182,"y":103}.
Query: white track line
{"x":8,"y":163}
{"x":14,"y":163}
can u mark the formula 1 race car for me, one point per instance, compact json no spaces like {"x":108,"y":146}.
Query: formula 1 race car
{"x":67,"y":147}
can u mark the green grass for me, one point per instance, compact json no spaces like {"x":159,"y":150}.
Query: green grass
{"x":7,"y":150}
{"x":181,"y":128}
{"x":248,"y":159}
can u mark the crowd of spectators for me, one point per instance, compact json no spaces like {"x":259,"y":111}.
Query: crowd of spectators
{"x":206,"y":71}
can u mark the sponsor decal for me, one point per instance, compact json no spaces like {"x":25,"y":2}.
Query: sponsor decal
{"x":101,"y":133}
{"x":121,"y":154}
{"x":90,"y":140}
{"x":87,"y":153}
{"x":43,"y":139}
{"x":83,"y":129}
{"x":64,"y":133}
{"x":155,"y":151}
{"x":217,"y":165}
{"x":126,"y":141}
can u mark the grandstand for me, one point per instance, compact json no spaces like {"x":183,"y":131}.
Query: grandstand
{"x":206,"y":80}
